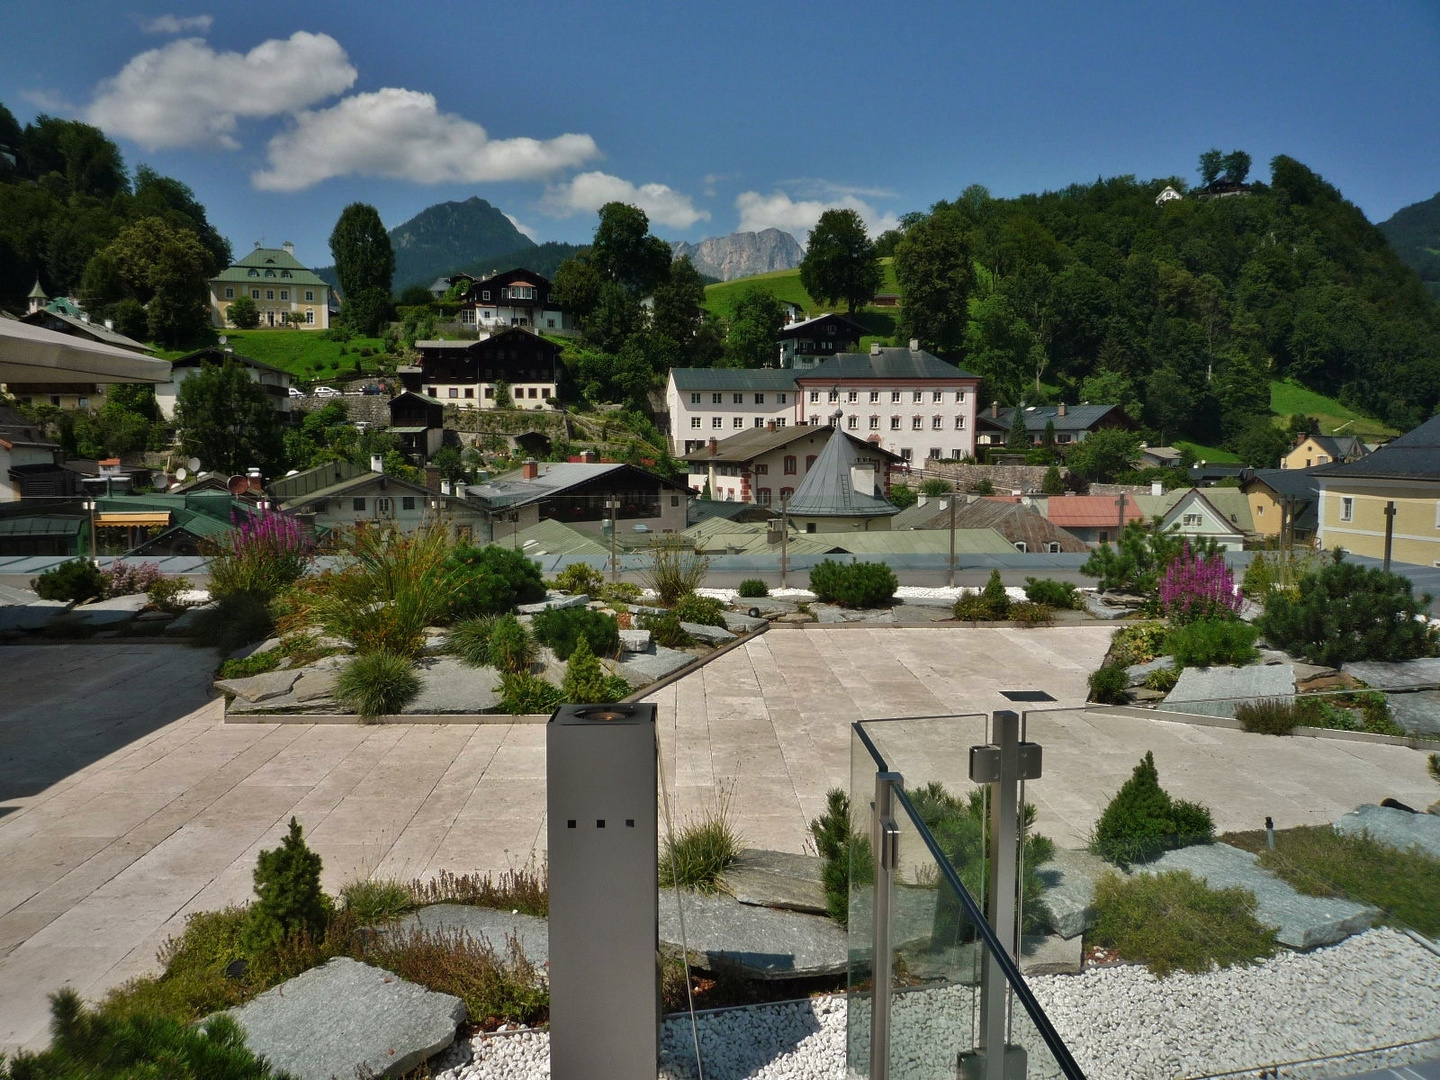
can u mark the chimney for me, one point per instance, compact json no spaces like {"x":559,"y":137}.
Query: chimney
{"x":432,"y":477}
{"x":377,"y":463}
{"x":874,"y":348}
{"x":994,"y":410}
{"x":914,"y":344}
{"x":446,"y":488}
{"x":1062,"y":409}
{"x":1156,"y":489}
{"x":769,"y":425}
{"x":109,"y":324}
{"x":714,"y":446}
{"x":589,"y":457}
{"x":289,"y":248}
{"x":530,"y":470}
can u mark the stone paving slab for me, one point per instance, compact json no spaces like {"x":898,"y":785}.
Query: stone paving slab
{"x":1213,"y":691}
{"x":778,"y":879}
{"x":112,"y":612}
{"x":761,"y":943}
{"x":259,"y":688}
{"x":496,"y":928}
{"x":449,"y":685}
{"x":347,"y":1019}
{"x":1070,"y":878}
{"x":32,"y":615}
{"x":648,"y":667}
{"x":555,"y":601}
{"x":1417,"y":712}
{"x":707,"y":635}
{"x":737,"y":622}
{"x":1395,"y":828}
{"x":1395,"y":676}
{"x":1302,"y":922}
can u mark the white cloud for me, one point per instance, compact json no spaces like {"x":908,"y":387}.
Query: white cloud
{"x":779,"y":211}
{"x":187,"y":94}
{"x":177,"y":24}
{"x":402,"y":135}
{"x":592,"y":190}
{"x":526,"y":229}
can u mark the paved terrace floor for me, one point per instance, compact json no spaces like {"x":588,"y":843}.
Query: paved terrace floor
{"x":126,"y":803}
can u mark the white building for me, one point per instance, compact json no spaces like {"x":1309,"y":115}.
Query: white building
{"x":706,"y":403}
{"x":275,"y":381}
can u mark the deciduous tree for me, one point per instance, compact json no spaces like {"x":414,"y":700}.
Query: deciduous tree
{"x":934,"y":264}
{"x":840,"y":261}
{"x":227,"y":420}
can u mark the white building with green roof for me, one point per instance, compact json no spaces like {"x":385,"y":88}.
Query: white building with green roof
{"x":285,"y":291}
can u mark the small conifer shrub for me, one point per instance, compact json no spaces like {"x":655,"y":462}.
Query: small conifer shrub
{"x":1142,"y":820}
{"x":290,"y":900}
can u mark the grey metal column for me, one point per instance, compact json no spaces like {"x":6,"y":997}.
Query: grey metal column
{"x":885,"y":842}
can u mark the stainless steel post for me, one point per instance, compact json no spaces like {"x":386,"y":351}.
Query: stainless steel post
{"x":885,"y":842}
{"x":1000,"y":908}
{"x":953,"y":496}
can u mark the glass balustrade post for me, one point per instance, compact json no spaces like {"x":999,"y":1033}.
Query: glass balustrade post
{"x":884,"y":839}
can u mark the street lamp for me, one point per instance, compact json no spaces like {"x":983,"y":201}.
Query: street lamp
{"x":89,"y":505}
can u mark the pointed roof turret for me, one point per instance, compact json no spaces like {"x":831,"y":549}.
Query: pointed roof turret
{"x":828,"y":489}
{"x":37,"y":293}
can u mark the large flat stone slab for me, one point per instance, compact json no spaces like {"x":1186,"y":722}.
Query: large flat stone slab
{"x":1070,"y":878}
{"x":760,"y":943}
{"x":313,"y":684}
{"x":1398,"y":829}
{"x":707,"y":635}
{"x":556,"y":601}
{"x":1417,"y":712}
{"x":1302,"y":922}
{"x":346,"y":1019}
{"x":648,"y":667}
{"x":1051,"y":954}
{"x":827,"y":613}
{"x":117,"y":609}
{"x":738,"y":623}
{"x":1140,"y":672}
{"x":448,"y":685}
{"x":778,"y":879}
{"x":1214,"y":691}
{"x":258,"y":688}
{"x":635,"y":641}
{"x":30,"y":616}
{"x":495,"y":928}
{"x":1394,"y":676}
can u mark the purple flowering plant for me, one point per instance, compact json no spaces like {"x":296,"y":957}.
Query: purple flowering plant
{"x":1194,"y":588}
{"x":265,"y":554}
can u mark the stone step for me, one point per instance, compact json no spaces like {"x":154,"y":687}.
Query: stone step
{"x":777,"y":879}
{"x":1398,"y":829}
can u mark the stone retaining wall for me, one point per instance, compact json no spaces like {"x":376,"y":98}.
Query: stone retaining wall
{"x":1008,"y":478}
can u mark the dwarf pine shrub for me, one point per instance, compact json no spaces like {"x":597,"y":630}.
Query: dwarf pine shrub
{"x":752,"y":588}
{"x":856,"y":584}
{"x":562,"y":628}
{"x":1142,"y":820}
{"x":289,"y":898}
{"x":1055,"y":594}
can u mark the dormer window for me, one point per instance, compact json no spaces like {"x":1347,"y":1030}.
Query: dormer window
{"x":254,"y":273}
{"x":285,"y":273}
{"x":269,"y":273}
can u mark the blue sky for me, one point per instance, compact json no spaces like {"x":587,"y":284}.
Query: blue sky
{"x":721,"y":116}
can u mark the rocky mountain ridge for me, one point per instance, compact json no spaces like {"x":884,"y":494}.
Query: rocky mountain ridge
{"x":742,"y":254}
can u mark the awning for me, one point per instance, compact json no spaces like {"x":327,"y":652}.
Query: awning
{"x":142,"y":518}
{"x":34,"y":354}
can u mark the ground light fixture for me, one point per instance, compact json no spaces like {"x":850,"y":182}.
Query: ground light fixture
{"x":602,"y":826}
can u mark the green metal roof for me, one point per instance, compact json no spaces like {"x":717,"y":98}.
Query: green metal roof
{"x":550,"y":537}
{"x":41,"y":525}
{"x":278,"y":262}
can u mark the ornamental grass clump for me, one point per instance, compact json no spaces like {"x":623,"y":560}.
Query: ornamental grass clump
{"x":699,"y":853}
{"x":263,"y":555}
{"x":1193,"y":588}
{"x":377,"y":684}
{"x":676,"y":568}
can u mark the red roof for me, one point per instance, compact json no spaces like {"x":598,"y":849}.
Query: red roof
{"x":1090,"y":511}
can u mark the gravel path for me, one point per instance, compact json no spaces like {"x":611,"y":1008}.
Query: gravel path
{"x":1375,"y":990}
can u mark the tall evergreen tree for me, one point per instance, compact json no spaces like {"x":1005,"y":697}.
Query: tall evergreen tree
{"x":364,"y":265}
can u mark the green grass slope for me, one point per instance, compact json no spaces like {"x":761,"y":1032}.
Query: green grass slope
{"x":785,"y":285}
{"x":306,"y":354}
{"x":1289,"y":397}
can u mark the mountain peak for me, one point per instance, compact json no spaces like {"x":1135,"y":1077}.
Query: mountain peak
{"x":447,"y":236}
{"x":742,"y":254}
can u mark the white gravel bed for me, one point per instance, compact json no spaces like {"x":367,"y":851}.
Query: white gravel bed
{"x":1378,"y":989}
{"x":904,"y":592}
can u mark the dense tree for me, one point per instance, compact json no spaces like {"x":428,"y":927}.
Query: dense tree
{"x":624,"y":252}
{"x":577,"y":285}
{"x":840,"y":261}
{"x":755,"y":324}
{"x":364,"y":266}
{"x":228,"y":421}
{"x":1260,"y":444}
{"x":243,"y":313}
{"x":934,"y":265}
{"x":1237,"y":166}
{"x":164,"y":197}
{"x":1103,"y":455}
{"x":165,"y":269}
{"x":1018,"y":437}
{"x":1211,"y":164}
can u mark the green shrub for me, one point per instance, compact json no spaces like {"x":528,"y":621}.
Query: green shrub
{"x":234,"y":620}
{"x":376,"y":901}
{"x":1213,"y":641}
{"x":1109,"y":685}
{"x":377,"y":684}
{"x":490,"y":580}
{"x":580,"y":578}
{"x":983,"y":487}
{"x":856,"y":584}
{"x":704,"y":610}
{"x":586,"y":682}
{"x":1162,"y":679}
{"x":193,"y":983}
{"x":621,"y":592}
{"x":164,"y":594}
{"x":522,"y":694}
{"x":1260,"y":578}
{"x":562,"y":628}
{"x":75,"y":580}
{"x":971,"y":607}
{"x":470,"y":639}
{"x":1175,"y":922}
{"x":290,"y":900}
{"x":837,"y":844}
{"x":752,"y":588}
{"x":1267,"y":716}
{"x":1347,"y":612}
{"x":696,"y":856}
{"x":511,"y":648}
{"x":996,"y":599}
{"x":1138,"y":643}
{"x":1141,"y":554}
{"x":935,"y":486}
{"x":93,"y":1045}
{"x":495,"y":988}
{"x":1028,"y":613}
{"x":254,"y":664}
{"x":1056,"y":594}
{"x":1362,"y":711}
{"x":667,"y":631}
{"x":1142,"y":820}
{"x":676,"y":568}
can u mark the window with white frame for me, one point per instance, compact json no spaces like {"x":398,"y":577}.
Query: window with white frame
{"x":906,"y":454}
{"x":874,"y":397}
{"x":230,"y":292}
{"x":310,"y":298}
{"x":284,"y":294}
{"x":917,"y":423}
{"x":936,"y":423}
{"x":938,"y":396}
{"x":737,"y":399}
{"x":694,"y":421}
{"x":894,"y":423}
{"x":833,"y":396}
{"x":959,"y":397}
{"x":717,"y":421}
{"x":759,"y":399}
{"x":1347,"y":508}
{"x":738,"y":422}
{"x":716,"y":399}
{"x":814,"y":397}
{"x":1190,"y":521}
{"x":959,"y":423}
{"x":936,"y":453}
{"x":853,"y":395}
{"x":917,"y":396}
{"x":694,"y":399}
{"x":783,"y":398}
{"x":852,"y":423}
{"x":874,"y":423}
{"x":894,"y":397}
{"x":759,"y":421}
{"x":310,"y":316}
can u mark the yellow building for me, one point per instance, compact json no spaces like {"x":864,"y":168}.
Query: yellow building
{"x":284,"y":291}
{"x":1316,"y":450}
{"x":1354,"y":496}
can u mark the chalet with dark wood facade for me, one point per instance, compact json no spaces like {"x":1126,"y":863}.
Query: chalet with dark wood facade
{"x":468,"y":373}
{"x":513,"y":298}
{"x":805,"y":344}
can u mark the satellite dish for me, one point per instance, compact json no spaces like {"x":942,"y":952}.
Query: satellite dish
{"x":180,"y":473}
{"x":238,"y":485}
{"x":223,"y":339}
{"x":193,"y":464}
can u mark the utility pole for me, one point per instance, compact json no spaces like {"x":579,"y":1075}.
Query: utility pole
{"x":954,"y":495}
{"x":1389,"y":531}
{"x":614,"y":504}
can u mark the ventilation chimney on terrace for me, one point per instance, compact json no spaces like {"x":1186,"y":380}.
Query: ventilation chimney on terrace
{"x":874,"y":348}
{"x":530,"y":469}
{"x":914,"y":344}
{"x":714,"y":446}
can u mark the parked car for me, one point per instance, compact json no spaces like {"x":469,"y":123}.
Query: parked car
{"x":325,"y":391}
{"x":295,"y":391}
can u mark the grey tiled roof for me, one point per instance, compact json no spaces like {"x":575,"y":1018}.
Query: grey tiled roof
{"x":827,"y":490}
{"x":756,"y":441}
{"x":733,"y":379}
{"x":886,"y":364}
{"x":1076,"y":418}
{"x":1413,"y":456}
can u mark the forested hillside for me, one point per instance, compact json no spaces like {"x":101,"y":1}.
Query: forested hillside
{"x":1185,"y":310}
{"x":136,"y":250}
{"x":1414,"y":233}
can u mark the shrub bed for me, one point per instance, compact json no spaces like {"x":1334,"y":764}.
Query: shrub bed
{"x":856,"y":585}
{"x":522,"y":694}
{"x":704,"y":610}
{"x":1207,"y":642}
{"x":490,"y":580}
{"x":1055,"y":594}
{"x":562,"y":628}
{"x":752,"y":588}
{"x":580,"y":578}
